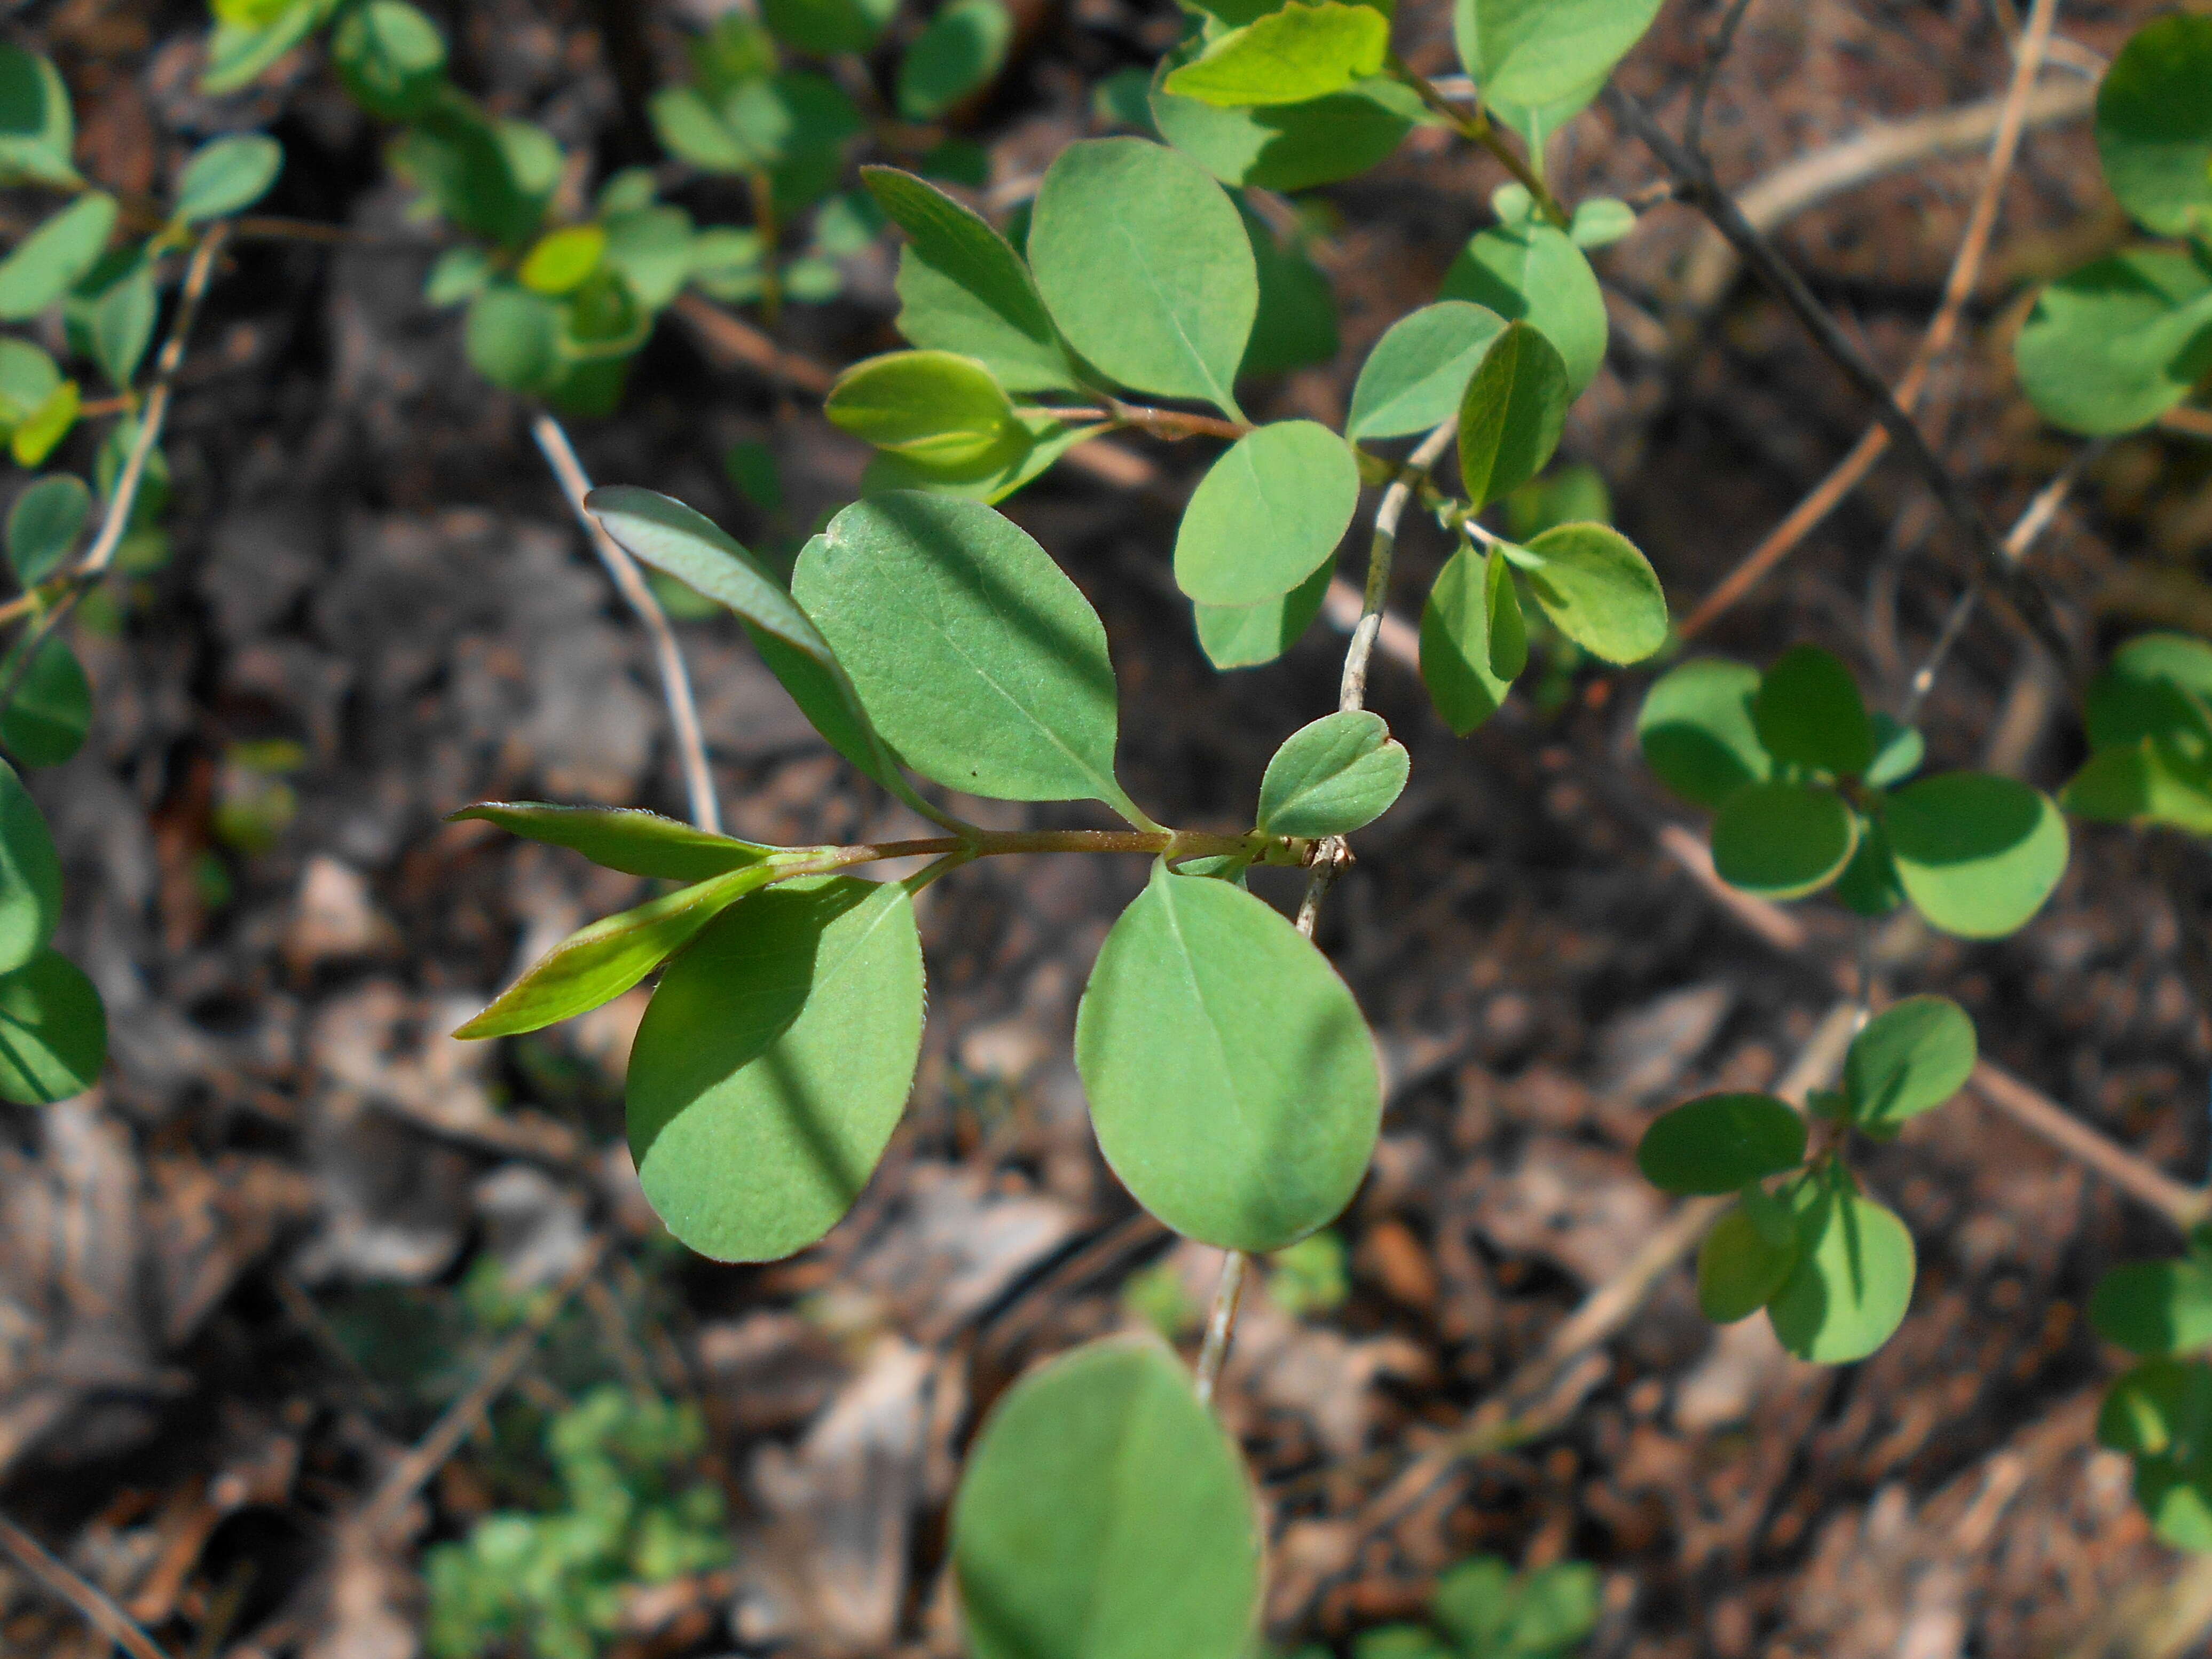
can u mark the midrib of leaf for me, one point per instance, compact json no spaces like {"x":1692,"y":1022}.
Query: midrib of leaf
{"x":1221,"y":395}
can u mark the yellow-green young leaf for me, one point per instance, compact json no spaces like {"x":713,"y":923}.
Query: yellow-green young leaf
{"x":959,"y":52}
{"x":938,"y":410}
{"x":1242,"y":636}
{"x":1413,"y":379}
{"x":1286,"y":147}
{"x":2115,"y":344}
{"x":53,"y":1031}
{"x":1037,"y":442}
{"x":1808,"y":713}
{"x":962,"y":288}
{"x":773,"y":1064}
{"x":1145,"y":265}
{"x":2163,"y":1408}
{"x":1598,"y":591}
{"x":1288,"y":56}
{"x":1853,"y":1280}
{"x":1232,"y":1082}
{"x":1697,"y":731}
{"x":977,"y":659}
{"x":1268,"y":513}
{"x":2155,"y":124}
{"x":1535,"y":52}
{"x":1105,"y":1514}
{"x":46,"y":720}
{"x":55,"y":257}
{"x":1511,"y":414}
{"x":44,"y":524}
{"x":561,"y":261}
{"x":2156,"y":1307}
{"x":50,"y":422}
{"x":2149,"y":782}
{"x":1329,"y":778}
{"x":597,"y":964}
{"x":1721,"y":1143}
{"x":1473,"y":641}
{"x":1783,"y":839}
{"x":252,"y":34}
{"x":1977,"y":855}
{"x":1533,"y":273}
{"x":30,"y":875}
{"x":1909,"y":1058}
{"x":638,"y":843}
{"x":1740,"y":1267}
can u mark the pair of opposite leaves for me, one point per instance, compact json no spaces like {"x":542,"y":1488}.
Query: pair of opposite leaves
{"x":1233,"y":1083}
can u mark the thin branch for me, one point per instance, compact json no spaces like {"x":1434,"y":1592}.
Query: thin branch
{"x":1958,"y":288}
{"x":1171,"y":424}
{"x":99,"y":1610}
{"x":2181,"y":1204}
{"x":1693,"y":129}
{"x":1221,"y":1323}
{"x":2021,"y":594}
{"x":630,"y":581}
{"x":1479,"y":129}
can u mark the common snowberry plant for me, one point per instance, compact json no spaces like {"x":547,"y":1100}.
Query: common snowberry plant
{"x":1233,"y":1084}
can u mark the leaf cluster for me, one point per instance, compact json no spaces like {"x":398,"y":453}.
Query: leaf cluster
{"x":1482,"y":1609}
{"x":2160,"y":1412}
{"x":2149,"y":723}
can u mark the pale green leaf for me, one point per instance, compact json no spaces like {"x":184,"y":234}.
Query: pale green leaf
{"x":1853,"y":1280}
{"x":1598,"y":591}
{"x":1534,"y":53}
{"x":2115,"y":344}
{"x":1473,"y":641}
{"x":55,"y":257}
{"x":2157,"y":685}
{"x":1268,"y":513}
{"x":1290,"y":55}
{"x":959,"y":51}
{"x":226,"y":176}
{"x":1977,"y":855}
{"x":1290,"y":147}
{"x":1697,"y":731}
{"x":1413,"y":379}
{"x":937,"y":409}
{"x":1331,"y":777}
{"x":44,"y":524}
{"x":1911,"y":1058}
{"x":1242,"y":636}
{"x":514,"y":338}
{"x":1511,"y":414}
{"x":624,"y":838}
{"x":2149,"y":782}
{"x":1533,"y":273}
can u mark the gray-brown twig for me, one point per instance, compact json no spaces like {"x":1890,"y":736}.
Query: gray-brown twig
{"x":100,"y":1611}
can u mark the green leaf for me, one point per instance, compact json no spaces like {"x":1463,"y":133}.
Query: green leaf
{"x":514,"y":338}
{"x":111,"y":314}
{"x":1534,"y":52}
{"x":1033,"y":445}
{"x":797,"y":117}
{"x":55,"y":257}
{"x":935,"y":408}
{"x":44,"y":524}
{"x":2118,"y":343}
{"x":2178,"y":1497}
{"x":460,"y":273}
{"x":2151,"y":781}
{"x":1740,"y":1267}
{"x":1697,"y":733}
{"x":1869,"y":885}
{"x":1291,"y":56}
{"x":1331,"y":777}
{"x":1296,"y":324}
{"x":1473,"y":641}
{"x":2155,"y":124}
{"x":980,"y":663}
{"x":45,"y":722}
{"x":1600,"y":221}
{"x":689,"y":129}
{"x":562,"y":261}
{"x":963,"y":289}
{"x":773,"y":1064}
{"x":29,"y":376}
{"x":1266,"y":515}
{"x":38,"y":133}
{"x":1145,"y":265}
{"x":2154,"y":1307}
{"x":1232,"y":1082}
{"x":1533,"y":273}
{"x":1415,"y":377}
{"x":959,"y":52}
{"x":53,"y":1031}
{"x":1783,"y":840}
{"x":597,"y":964}
{"x":1898,"y":752}
{"x":1909,"y":1058}
{"x":391,"y":56}
{"x":652,"y":249}
{"x":1853,"y":1280}
{"x":1289,"y":147}
{"x":1720,"y":1143}
{"x":1105,"y":1514}
{"x":1808,"y":714}
{"x":493,"y":177}
{"x":228,"y":175}
{"x":826,"y":27}
{"x":35,"y":438}
{"x":2157,"y":685}
{"x":1511,"y":414}
{"x":1977,"y":855}
{"x":1568,"y":494}
{"x":1242,"y":636}
{"x":636,"y":842}
{"x":239,"y":50}
{"x":1599,"y":591}
{"x":2162,"y":1408}
{"x":30,"y":876}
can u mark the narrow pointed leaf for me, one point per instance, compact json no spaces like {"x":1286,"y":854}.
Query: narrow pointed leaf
{"x":53,"y":1031}
{"x":1331,"y":777}
{"x":1268,"y":514}
{"x":623,"y":838}
{"x":1977,"y":855}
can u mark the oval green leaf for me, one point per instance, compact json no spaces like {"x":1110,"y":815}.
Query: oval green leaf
{"x":1533,"y":273}
{"x":1721,"y":1143}
{"x":625,"y":838}
{"x":1740,"y":1268}
{"x":1783,"y":839}
{"x":1599,"y":591}
{"x":1289,"y":147}
{"x":391,"y":58}
{"x":1808,"y":713}
{"x":1697,"y":732}
{"x":1145,"y":265}
{"x":54,"y":257}
{"x":1267,"y":513}
{"x":1853,"y":1280}
{"x":1977,"y":855}
{"x":1909,"y":1058}
{"x":2157,"y":685}
{"x":1329,"y":778}
{"x":227,"y":175}
{"x":2154,"y":1307}
{"x":1291,"y":56}
{"x":1233,"y":1084}
{"x":1535,"y":52}
{"x":1242,"y":636}
{"x":2115,"y":344}
{"x":977,"y":659}
{"x":960,"y":50}
{"x":46,"y":720}
{"x":1415,"y":377}
{"x":935,"y":408}
{"x":1511,"y":414}
{"x":2149,"y":782}
{"x":2155,"y":124}
{"x":513,"y":337}
{"x":1105,"y":1514}
{"x":773,"y":1064}
{"x":30,"y":875}
{"x":1473,"y":640}
{"x":44,"y":524}
{"x":53,"y":1031}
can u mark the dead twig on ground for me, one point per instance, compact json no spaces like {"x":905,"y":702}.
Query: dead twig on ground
{"x":99,"y":1610}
